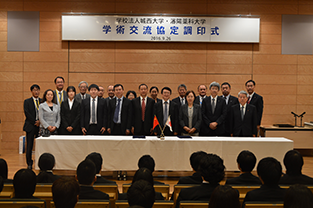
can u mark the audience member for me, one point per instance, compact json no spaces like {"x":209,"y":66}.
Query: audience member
{"x":154,"y":91}
{"x":146,"y":161}
{"x":246,"y":161}
{"x":293,"y":162}
{"x":4,"y":171}
{"x":82,"y":95}
{"x":86,"y":176}
{"x":131,"y":95}
{"x":1,"y":183}
{"x":46,"y":163}
{"x":24,"y":183}
{"x":298,"y":196}
{"x":65,"y":192}
{"x":141,"y":193}
{"x":224,"y":197}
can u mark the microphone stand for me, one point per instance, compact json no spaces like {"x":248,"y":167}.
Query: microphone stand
{"x":295,"y":115}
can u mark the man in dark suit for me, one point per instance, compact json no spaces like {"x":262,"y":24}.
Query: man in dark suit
{"x":165,"y":109}
{"x":246,"y":161}
{"x":93,"y":119}
{"x":86,"y":176}
{"x":213,"y":113}
{"x":119,"y":113}
{"x":269,"y":171}
{"x":230,"y":101}
{"x":202,"y":90}
{"x":60,"y":94}
{"x":141,"y":194}
{"x":146,"y":161}
{"x":65,"y":192}
{"x":243,"y":119}
{"x":293,"y":162}
{"x":212,"y":170}
{"x":101,"y":92}
{"x":142,"y":108}
{"x":31,"y":125}
{"x":181,"y":99}
{"x":256,"y":100}
{"x":82,"y":95}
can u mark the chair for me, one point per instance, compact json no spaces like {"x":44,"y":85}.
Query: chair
{"x":111,"y":190}
{"x":157,"y":204}
{"x":279,"y":204}
{"x":179,"y":187}
{"x":243,"y":190}
{"x":194,"y":204}
{"x":7,"y":191}
{"x":89,"y":204}
{"x":163,"y":189}
{"x":18,"y":203}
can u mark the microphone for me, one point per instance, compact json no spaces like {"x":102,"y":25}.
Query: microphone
{"x":294,"y":114}
{"x":302,"y":114}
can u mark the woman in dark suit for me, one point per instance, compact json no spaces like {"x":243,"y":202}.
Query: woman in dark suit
{"x":70,"y":114}
{"x":190,"y":116}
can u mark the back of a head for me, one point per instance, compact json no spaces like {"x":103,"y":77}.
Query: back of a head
{"x":65,"y":191}
{"x":46,"y":162}
{"x":141,"y":193}
{"x":298,"y":196}
{"x":212,"y":168}
{"x":3,"y":169}
{"x":246,"y":161}
{"x":86,"y":172}
{"x":96,"y":158}
{"x":1,"y":183}
{"x":269,"y":170}
{"x":195,"y":159}
{"x":24,"y":183}
{"x":146,"y":161}
{"x":293,"y":162}
{"x":224,"y":197}
{"x":143,"y":174}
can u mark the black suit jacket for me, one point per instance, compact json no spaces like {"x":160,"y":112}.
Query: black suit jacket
{"x":295,"y":179}
{"x":55,"y":96}
{"x":101,"y":180}
{"x":194,"y":179}
{"x":196,"y":117}
{"x":197,"y":100}
{"x":158,"y":196}
{"x":177,"y":101}
{"x":244,"y":179}
{"x":125,"y":114}
{"x":137,"y":116}
{"x":173,"y":112}
{"x":101,"y":114}
{"x":30,"y":114}
{"x":87,"y":192}
{"x":70,"y":117}
{"x":218,"y":116}
{"x":257,"y":101}
{"x":246,"y":127}
{"x":231,"y":102}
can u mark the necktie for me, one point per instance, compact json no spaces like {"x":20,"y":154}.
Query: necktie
{"x":143,"y":109}
{"x":182,"y":101}
{"x":60,"y":97}
{"x":165,"y":113}
{"x":93,"y":114}
{"x":226,"y":100}
{"x":117,"y":110}
{"x":213,"y":105}
{"x":37,"y":104}
{"x":37,"y":109}
{"x":248,"y":101}
{"x":242,"y":113}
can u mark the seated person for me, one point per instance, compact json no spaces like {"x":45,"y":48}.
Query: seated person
{"x":1,"y":183}
{"x":224,"y":197}
{"x":141,"y":193}
{"x":269,"y":171}
{"x":86,"y":176}
{"x":142,"y":174}
{"x":4,"y":171}
{"x":212,"y":171}
{"x":298,"y":196}
{"x":65,"y":192}
{"x":293,"y":162}
{"x":246,"y":161}
{"x":46,"y":163}
{"x":147,"y":161}
{"x":196,"y":176}
{"x":24,"y":183}
{"x":96,"y":158}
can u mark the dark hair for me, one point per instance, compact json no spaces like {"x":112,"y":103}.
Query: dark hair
{"x":212,"y":168}
{"x":226,"y":83}
{"x":131,"y":91}
{"x":166,"y":88}
{"x":96,"y":158}
{"x":195,"y":159}
{"x":71,"y":88}
{"x":46,"y":162}
{"x":118,"y":85}
{"x":142,"y":85}
{"x":203,"y":85}
{"x":250,"y":81}
{"x":298,"y":196}
{"x":143,"y":174}
{"x":293,"y":162}
{"x":269,"y":170}
{"x":182,"y":85}
{"x":86,"y":172}
{"x":224,"y":197}
{"x":3,"y":169}
{"x":44,"y":96}
{"x":1,"y":183}
{"x":34,"y":86}
{"x":191,"y":91}
{"x":65,"y":191}
{"x":154,"y":87}
{"x":246,"y":160}
{"x":24,"y":183}
{"x":141,"y":193}
{"x":146,"y":161}
{"x":58,"y":77}
{"x":93,"y":86}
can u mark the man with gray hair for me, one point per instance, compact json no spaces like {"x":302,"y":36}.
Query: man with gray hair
{"x":213,"y":112}
{"x":82,"y":86}
{"x":243,"y":117}
{"x":181,"y":99}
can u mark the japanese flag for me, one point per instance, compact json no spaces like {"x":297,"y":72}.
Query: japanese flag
{"x":169,"y":123}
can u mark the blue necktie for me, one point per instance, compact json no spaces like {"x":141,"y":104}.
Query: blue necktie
{"x":117,"y":110}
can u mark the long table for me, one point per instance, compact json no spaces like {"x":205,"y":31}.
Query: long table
{"x":172,"y":153}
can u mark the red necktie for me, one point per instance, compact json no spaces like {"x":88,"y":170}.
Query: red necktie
{"x":248,"y":100}
{"x":143,"y":108}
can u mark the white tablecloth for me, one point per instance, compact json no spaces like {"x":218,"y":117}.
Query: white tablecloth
{"x":123,"y":152}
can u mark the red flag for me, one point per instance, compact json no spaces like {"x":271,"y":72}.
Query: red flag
{"x":155,"y":122}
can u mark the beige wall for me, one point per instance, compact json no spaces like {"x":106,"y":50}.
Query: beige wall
{"x":284,"y":80}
